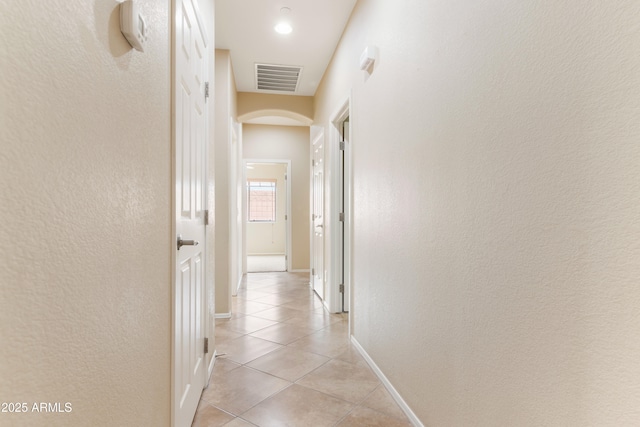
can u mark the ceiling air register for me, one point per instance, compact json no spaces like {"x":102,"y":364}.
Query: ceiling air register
{"x":278,"y":78}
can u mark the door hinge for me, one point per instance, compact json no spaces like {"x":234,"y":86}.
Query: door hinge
{"x":206,"y":345}
{"x":286,"y":217}
{"x":206,"y":217}
{"x":342,"y":145}
{"x":342,"y":289}
{"x":206,"y":90}
{"x":313,"y":271}
{"x":285,"y":177}
{"x":341,"y":217}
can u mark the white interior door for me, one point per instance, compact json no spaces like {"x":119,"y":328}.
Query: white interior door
{"x":317,"y":270}
{"x":190,"y":56}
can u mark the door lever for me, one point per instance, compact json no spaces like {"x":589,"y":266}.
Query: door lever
{"x":182,"y":243}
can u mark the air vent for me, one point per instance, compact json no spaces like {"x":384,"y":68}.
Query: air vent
{"x":278,"y":78}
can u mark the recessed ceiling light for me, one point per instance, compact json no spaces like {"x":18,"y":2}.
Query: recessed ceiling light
{"x":283,"y":28}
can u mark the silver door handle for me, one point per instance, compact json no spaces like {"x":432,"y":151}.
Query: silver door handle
{"x":182,"y":243}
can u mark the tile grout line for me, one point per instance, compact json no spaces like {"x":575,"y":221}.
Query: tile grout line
{"x":330,"y":328}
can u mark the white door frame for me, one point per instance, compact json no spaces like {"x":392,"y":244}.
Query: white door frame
{"x":287,"y":248}
{"x":316,"y":136}
{"x":335,"y":239}
{"x":236,"y":230}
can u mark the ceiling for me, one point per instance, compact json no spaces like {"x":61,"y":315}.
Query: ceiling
{"x":246,"y":29}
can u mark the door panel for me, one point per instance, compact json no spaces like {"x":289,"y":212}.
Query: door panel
{"x":190,"y":135}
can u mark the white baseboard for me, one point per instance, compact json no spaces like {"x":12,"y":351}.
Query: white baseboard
{"x":413,"y":419}
{"x":300,"y":271}
{"x":223,"y":315}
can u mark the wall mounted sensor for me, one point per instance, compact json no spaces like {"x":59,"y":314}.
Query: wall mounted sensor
{"x":133,"y":25}
{"x":368,"y":57}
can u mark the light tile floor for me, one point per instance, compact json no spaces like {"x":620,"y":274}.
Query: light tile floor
{"x":285,"y":361}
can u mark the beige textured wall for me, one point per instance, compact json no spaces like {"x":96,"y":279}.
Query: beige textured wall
{"x":497,"y":206}
{"x":85,"y":208}
{"x":252,"y":105}
{"x":269,"y":238}
{"x":287,"y":143}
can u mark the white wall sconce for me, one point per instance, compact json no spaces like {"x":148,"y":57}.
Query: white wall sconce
{"x":368,"y":57}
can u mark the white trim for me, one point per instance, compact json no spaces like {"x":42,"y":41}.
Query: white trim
{"x":335,"y":242}
{"x":243,"y":214}
{"x":304,"y":270}
{"x":238,"y":285}
{"x":413,"y":419}
{"x":223,"y":315}
{"x":317,"y":139}
{"x":210,"y":368}
{"x":234,"y":162}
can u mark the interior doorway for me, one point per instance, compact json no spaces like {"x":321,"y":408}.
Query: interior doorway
{"x":341,"y":209}
{"x":267,"y":215}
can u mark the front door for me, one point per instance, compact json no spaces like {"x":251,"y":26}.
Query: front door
{"x":190,"y":56}
{"x":317,"y":163}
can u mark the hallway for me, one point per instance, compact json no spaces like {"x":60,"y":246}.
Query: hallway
{"x":283,"y":360}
